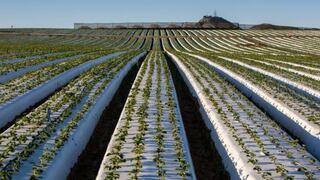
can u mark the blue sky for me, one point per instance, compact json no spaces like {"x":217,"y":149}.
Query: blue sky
{"x":63,"y":13}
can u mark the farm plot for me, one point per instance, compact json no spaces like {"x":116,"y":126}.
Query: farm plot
{"x":20,"y":93}
{"x":303,"y":63}
{"x":305,"y":106}
{"x":255,"y":94}
{"x":14,"y":50}
{"x":33,"y":145}
{"x":149,"y":140}
{"x":250,"y":141}
{"x":32,"y":79}
{"x":304,"y":78}
{"x":295,"y":118}
{"x":299,"y":44}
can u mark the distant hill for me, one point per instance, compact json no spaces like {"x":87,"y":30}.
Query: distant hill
{"x":272,"y":26}
{"x":216,"y":22}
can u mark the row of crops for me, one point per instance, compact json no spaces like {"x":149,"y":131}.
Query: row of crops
{"x":258,"y":93}
{"x":149,"y":141}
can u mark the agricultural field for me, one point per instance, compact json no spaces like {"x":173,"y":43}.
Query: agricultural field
{"x":159,"y":104}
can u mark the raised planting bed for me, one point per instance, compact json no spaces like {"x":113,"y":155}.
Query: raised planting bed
{"x":149,"y":141}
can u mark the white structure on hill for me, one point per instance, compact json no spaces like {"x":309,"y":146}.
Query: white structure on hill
{"x":133,"y":25}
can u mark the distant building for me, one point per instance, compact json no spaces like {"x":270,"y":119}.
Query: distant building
{"x":131,"y":25}
{"x":210,"y":22}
